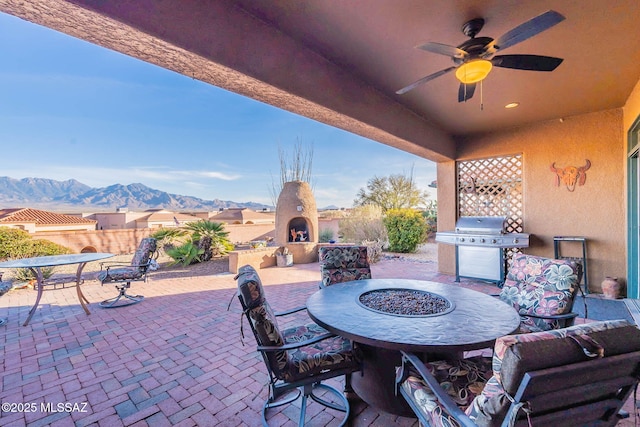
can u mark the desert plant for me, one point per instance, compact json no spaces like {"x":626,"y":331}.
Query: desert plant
{"x":186,"y":254}
{"x":326,"y":235}
{"x":298,"y":168}
{"x":26,"y":275}
{"x":363,"y":223}
{"x":169,"y":238}
{"x":215,"y":231}
{"x":431,"y":216}
{"x":374,"y":250}
{"x":406,"y":229}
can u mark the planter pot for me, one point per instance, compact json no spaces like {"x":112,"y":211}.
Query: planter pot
{"x":285,"y":260}
{"x":611,"y":288}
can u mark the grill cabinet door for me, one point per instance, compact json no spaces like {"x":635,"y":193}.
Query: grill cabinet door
{"x":480,"y":262}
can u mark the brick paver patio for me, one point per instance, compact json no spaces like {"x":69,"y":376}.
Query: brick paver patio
{"x":177,"y":358}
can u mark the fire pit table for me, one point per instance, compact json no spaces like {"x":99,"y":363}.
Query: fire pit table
{"x":388,"y":315}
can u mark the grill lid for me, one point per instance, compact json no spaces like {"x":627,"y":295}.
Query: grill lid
{"x":481,"y":224}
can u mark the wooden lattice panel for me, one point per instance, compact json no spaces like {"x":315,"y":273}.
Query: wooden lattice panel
{"x":492,"y":187}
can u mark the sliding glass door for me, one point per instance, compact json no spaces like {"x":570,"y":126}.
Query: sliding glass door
{"x":633,"y":210}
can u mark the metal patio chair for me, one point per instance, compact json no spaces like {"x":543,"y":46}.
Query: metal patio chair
{"x":298,"y":358}
{"x":121,"y":275}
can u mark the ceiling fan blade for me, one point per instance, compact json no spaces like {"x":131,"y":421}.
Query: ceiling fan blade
{"x":527,"y":62}
{"x":465,"y":91}
{"x":526,"y":30}
{"x":424,"y":80}
{"x":443,"y":49}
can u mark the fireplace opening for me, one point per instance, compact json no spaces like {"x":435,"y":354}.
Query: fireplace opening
{"x":298,"y":230}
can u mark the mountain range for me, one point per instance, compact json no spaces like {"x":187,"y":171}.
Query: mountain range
{"x":50,"y":194}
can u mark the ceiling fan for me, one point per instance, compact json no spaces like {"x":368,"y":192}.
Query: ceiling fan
{"x":474,"y":59}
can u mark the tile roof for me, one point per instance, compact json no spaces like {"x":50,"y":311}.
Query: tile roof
{"x":21,"y":215}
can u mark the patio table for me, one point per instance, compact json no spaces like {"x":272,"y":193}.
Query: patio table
{"x":35,"y":264}
{"x":473,"y":321}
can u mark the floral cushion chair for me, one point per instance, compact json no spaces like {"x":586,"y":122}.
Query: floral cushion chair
{"x":297,"y":357}
{"x":542,"y":290}
{"x":340,"y":264}
{"x":576,"y":376}
{"x":121,"y":275}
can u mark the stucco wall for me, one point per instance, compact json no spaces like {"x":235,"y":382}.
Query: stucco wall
{"x":631,"y":109}
{"x":595,"y":210}
{"x":126,"y":241}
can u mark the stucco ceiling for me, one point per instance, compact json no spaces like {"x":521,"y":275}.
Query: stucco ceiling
{"x":599,"y":41}
{"x":341,"y":62}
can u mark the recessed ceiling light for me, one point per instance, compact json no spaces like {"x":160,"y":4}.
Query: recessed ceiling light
{"x":512,"y":105}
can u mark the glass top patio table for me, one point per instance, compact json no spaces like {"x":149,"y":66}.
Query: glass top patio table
{"x":36,"y":263}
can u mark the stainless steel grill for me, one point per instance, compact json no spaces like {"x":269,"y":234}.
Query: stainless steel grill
{"x":480,"y":242}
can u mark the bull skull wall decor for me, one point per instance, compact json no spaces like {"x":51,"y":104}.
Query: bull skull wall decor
{"x":571,"y":175}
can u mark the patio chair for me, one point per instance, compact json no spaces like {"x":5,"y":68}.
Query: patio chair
{"x":576,"y":376}
{"x":340,"y":264}
{"x":542,"y":290}
{"x":298,"y":358}
{"x":121,"y":275}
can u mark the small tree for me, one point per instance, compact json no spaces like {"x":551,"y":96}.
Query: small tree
{"x":406,"y":229}
{"x":392,"y":192}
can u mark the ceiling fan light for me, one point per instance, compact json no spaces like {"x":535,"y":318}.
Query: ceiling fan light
{"x":473,"y":71}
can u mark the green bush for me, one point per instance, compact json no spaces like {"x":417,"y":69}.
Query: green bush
{"x":15,"y":243}
{"x":326,"y":235}
{"x":10,"y":239}
{"x":406,"y":229}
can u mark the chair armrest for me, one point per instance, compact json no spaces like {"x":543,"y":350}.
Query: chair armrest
{"x":565,"y":316}
{"x":110,"y":264}
{"x":442,"y":396}
{"x":291,"y":311}
{"x":297,"y":344}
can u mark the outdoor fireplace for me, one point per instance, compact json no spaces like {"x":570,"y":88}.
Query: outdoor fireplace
{"x":297,"y":221}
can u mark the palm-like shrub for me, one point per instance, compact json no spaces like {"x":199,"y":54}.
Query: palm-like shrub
{"x":220,"y":244}
{"x":185,"y":254}
{"x":194,"y":242}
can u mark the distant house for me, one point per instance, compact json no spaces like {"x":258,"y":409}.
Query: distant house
{"x":123,"y":219}
{"x":164,"y":218}
{"x":243,"y":216}
{"x":38,"y":221}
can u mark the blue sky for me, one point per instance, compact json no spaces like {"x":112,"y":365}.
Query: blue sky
{"x":71,"y":109}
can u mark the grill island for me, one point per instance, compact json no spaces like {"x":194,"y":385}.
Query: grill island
{"x":480,"y":242}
